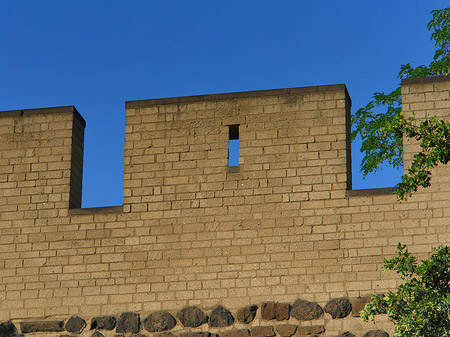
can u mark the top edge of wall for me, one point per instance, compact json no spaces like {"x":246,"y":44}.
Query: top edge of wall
{"x":39,"y":111}
{"x":424,"y":80}
{"x":235,"y":95}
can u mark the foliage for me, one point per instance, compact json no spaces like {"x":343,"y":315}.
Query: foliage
{"x":421,"y":305}
{"x":382,"y":133}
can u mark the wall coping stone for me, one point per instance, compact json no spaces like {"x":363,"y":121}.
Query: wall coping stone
{"x":236,"y":95}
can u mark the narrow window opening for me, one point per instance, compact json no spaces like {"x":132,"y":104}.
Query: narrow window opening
{"x":233,"y":145}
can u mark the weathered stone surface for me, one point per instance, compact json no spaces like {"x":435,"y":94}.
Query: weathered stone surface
{"x":305,"y":311}
{"x":311,"y":330}
{"x":236,"y":333}
{"x":192,"y":317}
{"x":159,"y":321}
{"x":42,"y":326}
{"x":247,"y":314}
{"x":376,"y":333}
{"x":129,"y":322}
{"x":8,"y":329}
{"x":268,"y":310}
{"x":196,"y":334}
{"x":346,"y":334}
{"x":262,"y":331}
{"x":358,"y":304}
{"x":164,"y":334}
{"x":282,"y":311}
{"x":139,"y":335}
{"x":97,"y":334}
{"x":103,"y":323}
{"x":338,"y":307}
{"x":75,"y":324}
{"x":220,"y":317}
{"x":273,"y":310}
{"x":286,"y":330}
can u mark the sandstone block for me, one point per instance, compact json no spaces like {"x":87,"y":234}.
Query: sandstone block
{"x":286,"y":330}
{"x":42,"y":326}
{"x":262,"y":331}
{"x":311,"y":330}
{"x":235,"y":333}
{"x":358,"y":304}
{"x":247,"y":314}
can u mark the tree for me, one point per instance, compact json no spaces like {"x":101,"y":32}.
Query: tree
{"x":382,"y":133}
{"x":421,"y":305}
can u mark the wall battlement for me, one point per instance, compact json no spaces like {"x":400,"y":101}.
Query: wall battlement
{"x":283,"y":225}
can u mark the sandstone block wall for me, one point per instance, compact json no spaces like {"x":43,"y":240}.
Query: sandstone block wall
{"x":282,"y":226}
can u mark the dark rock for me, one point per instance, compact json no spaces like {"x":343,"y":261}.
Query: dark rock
{"x":220,"y":317}
{"x":236,"y":333}
{"x":97,"y":334}
{"x":286,"y":330}
{"x":346,"y":334}
{"x":262,"y":331}
{"x":159,"y":321}
{"x":268,"y":310}
{"x":311,"y":330}
{"x":192,"y":317}
{"x":8,"y":329}
{"x":103,"y":323}
{"x":247,"y":314}
{"x":282,"y":311}
{"x":139,"y":335}
{"x":358,"y":304}
{"x":164,"y":334}
{"x":305,"y":311}
{"x":129,"y":322}
{"x":376,"y":333}
{"x":119,"y":335}
{"x":42,"y":326}
{"x":75,"y":324}
{"x":196,"y":334}
{"x":338,"y":307}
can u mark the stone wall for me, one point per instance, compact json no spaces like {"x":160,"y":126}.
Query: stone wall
{"x":282,"y":226}
{"x":269,"y":319}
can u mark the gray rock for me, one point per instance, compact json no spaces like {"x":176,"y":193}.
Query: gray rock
{"x":159,"y":321}
{"x":305,"y":311}
{"x":220,"y":317}
{"x":42,"y":326}
{"x":346,"y":334}
{"x":103,"y":323}
{"x":8,"y":329}
{"x":128,"y":322}
{"x":75,"y":324}
{"x":247,"y":314}
{"x":338,"y":307}
{"x":192,"y":317}
{"x":376,"y":333}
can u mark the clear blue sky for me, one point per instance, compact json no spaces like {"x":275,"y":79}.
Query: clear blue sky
{"x":97,"y":54}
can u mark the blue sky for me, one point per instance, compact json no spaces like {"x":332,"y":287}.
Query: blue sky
{"x":96,"y":55}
